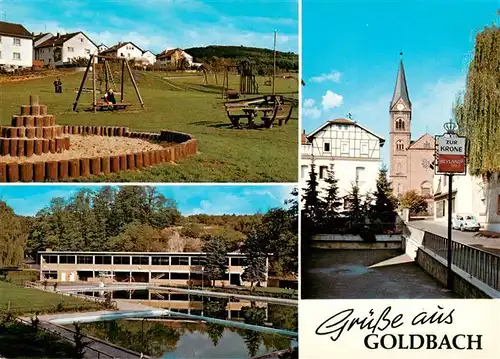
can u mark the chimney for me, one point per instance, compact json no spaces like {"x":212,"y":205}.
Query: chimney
{"x":304,"y":137}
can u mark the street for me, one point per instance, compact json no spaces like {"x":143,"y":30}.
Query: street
{"x":491,"y":245}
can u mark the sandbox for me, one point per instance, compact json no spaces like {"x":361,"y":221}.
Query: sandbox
{"x":35,"y":148}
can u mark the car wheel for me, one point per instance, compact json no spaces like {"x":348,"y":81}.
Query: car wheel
{"x":462,"y":228}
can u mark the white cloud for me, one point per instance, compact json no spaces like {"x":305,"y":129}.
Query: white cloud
{"x":331,"y":100}
{"x":312,"y":112}
{"x":309,"y":102}
{"x":332,"y":76}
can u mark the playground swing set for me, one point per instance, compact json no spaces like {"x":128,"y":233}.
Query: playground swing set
{"x":109,"y":80}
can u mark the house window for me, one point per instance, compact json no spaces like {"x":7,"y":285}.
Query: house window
{"x":345,"y":147}
{"x":326,"y":147}
{"x":71,"y":49}
{"x":400,"y":124}
{"x":322,"y":171}
{"x":85,"y":260}
{"x":360,"y":175}
{"x":87,"y":51}
{"x":128,"y":55}
{"x":16,"y":56}
{"x":400,"y":146}
{"x":17,"y":42}
{"x":364,"y":148}
{"x":121,"y":54}
{"x":303,"y":171}
{"x":81,"y":39}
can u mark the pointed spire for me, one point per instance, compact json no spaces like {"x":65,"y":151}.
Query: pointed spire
{"x":401,"y":90}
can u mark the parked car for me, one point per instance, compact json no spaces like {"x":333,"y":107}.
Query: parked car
{"x":465,"y":222}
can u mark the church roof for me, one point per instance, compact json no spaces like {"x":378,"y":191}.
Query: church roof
{"x":400,"y":90}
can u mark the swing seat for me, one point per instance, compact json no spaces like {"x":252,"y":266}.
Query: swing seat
{"x":103,"y":106}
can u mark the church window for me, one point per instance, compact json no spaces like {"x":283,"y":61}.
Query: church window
{"x":426,"y":188}
{"x":400,"y":145}
{"x":400,"y":124}
{"x":399,"y":168}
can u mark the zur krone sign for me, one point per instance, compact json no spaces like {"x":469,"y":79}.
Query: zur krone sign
{"x":450,"y":154}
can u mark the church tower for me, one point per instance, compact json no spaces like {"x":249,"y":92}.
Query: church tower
{"x":400,"y":134}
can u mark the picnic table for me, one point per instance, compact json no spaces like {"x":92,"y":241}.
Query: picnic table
{"x":252,"y":113}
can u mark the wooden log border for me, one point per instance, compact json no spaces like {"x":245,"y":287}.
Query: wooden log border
{"x":176,"y":145}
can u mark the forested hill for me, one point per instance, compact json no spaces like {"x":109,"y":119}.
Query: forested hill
{"x":259,"y":56}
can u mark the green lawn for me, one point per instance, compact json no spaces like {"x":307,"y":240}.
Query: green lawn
{"x":179,"y":103}
{"x":20,"y":300}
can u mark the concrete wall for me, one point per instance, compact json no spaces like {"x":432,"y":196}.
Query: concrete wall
{"x":396,"y":244}
{"x":463,"y":283}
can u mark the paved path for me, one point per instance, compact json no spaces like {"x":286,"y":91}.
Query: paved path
{"x":491,"y":245}
{"x":368,"y":274}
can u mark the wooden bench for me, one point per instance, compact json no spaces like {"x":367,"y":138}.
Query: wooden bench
{"x":234,"y":113}
{"x":103,"y":106}
{"x":281,"y":113}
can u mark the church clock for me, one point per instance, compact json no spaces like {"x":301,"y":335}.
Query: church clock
{"x":400,"y":107}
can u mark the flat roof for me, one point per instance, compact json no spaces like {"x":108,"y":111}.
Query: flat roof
{"x":135,"y":253}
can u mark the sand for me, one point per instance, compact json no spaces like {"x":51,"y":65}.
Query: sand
{"x":91,"y":146}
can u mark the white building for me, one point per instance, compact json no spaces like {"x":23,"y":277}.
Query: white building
{"x":102,"y":48}
{"x":16,"y":46}
{"x":61,"y":49}
{"x":148,"y":57}
{"x":124,"y":49}
{"x":351,"y":148}
{"x":470,"y":194}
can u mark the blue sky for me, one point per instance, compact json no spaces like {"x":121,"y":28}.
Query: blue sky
{"x":28,"y":200}
{"x":350,"y":58}
{"x":160,"y":24}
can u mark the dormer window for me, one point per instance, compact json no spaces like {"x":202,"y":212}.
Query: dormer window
{"x":400,"y":124}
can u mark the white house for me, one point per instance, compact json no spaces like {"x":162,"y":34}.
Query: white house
{"x":148,"y":57}
{"x":61,"y":49}
{"x":124,"y":49}
{"x":16,"y":46}
{"x":470,"y":194}
{"x":101,"y":48}
{"x":353,"y":150}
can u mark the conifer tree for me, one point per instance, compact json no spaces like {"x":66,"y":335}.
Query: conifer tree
{"x":255,"y":267}
{"x":332,"y":201}
{"x":216,"y":249}
{"x":383,"y":210}
{"x":355,"y":209}
{"x":312,"y":214}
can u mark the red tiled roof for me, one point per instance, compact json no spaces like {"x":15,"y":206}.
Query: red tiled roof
{"x":17,"y":30}
{"x":168,"y":53}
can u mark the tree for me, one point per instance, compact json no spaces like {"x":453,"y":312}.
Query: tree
{"x":355,"y":208}
{"x":383,"y":211}
{"x":253,"y":315}
{"x":80,"y":342}
{"x":12,"y":237}
{"x":255,"y":267}
{"x":216,"y":251}
{"x":414,"y":202}
{"x":312,"y":213}
{"x":332,"y":200}
{"x":478,"y":109}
